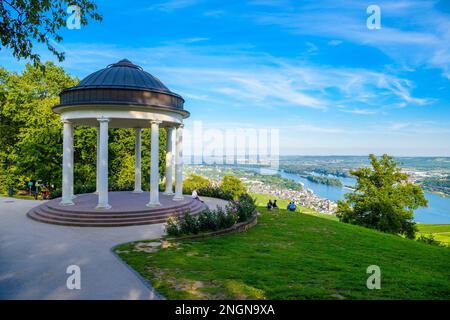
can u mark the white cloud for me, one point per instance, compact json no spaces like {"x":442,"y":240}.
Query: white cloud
{"x":172,"y":5}
{"x":413,"y":33}
{"x":335,"y":42}
{"x":234,"y":75}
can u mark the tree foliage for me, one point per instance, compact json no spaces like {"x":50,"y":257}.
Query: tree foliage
{"x":195,"y":182}
{"x":234,"y":186}
{"x":31,"y":135}
{"x":383,"y":199}
{"x":24,"y":22}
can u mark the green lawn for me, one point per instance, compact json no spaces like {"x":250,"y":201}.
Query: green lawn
{"x":441,"y":232}
{"x":295,"y":256}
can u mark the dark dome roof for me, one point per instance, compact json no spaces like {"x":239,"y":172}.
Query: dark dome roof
{"x":123,"y":74}
{"x":122,"y":83}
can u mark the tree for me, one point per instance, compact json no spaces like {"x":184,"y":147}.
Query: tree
{"x":234,"y":186}
{"x":383,"y":199}
{"x":195,"y":182}
{"x":23,"y":22}
{"x":30,"y":141}
{"x":31,"y":135}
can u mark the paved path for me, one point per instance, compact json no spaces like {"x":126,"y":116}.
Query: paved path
{"x":34,"y":257}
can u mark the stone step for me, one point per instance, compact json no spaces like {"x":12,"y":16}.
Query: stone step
{"x":148,"y":219}
{"x":36,"y":215}
{"x":92,"y":224}
{"x":71,"y":209}
{"x":192,"y":207}
{"x":43,"y":214}
{"x":128,"y":210}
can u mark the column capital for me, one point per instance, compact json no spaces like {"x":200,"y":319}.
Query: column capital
{"x":103,"y":119}
{"x":158,"y":122}
{"x":66,"y":121}
{"x":181,"y":126}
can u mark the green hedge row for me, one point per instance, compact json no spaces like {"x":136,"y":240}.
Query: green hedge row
{"x":212,"y":220}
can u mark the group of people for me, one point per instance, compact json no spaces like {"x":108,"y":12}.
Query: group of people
{"x":273,"y":205}
{"x":270,"y":205}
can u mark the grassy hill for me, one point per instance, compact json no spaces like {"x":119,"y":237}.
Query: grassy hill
{"x":295,"y":256}
{"x":441,"y":232}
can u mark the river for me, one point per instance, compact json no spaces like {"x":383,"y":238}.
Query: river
{"x":438,"y":210}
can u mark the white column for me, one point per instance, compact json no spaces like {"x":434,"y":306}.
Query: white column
{"x":67,"y":176}
{"x":103,"y":165}
{"x":97,"y":174}
{"x":154,"y":174}
{"x":72,"y":156}
{"x":169,"y":161}
{"x":137,"y":162}
{"x":179,"y":164}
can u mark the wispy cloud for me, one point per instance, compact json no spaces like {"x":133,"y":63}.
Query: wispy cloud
{"x":172,"y":5}
{"x":413,"y":32}
{"x":243,"y":78}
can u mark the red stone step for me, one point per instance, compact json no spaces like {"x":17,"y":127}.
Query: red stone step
{"x":52,"y":213}
{"x":191,"y":208}
{"x":71,"y":209}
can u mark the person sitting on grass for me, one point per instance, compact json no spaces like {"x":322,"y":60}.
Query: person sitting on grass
{"x":275,"y":206}
{"x":269,"y":205}
{"x":195,"y":195}
{"x":291,"y":206}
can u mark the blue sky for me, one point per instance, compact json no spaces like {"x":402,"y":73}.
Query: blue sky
{"x":312,"y":69}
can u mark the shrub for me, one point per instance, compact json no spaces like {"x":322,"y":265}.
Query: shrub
{"x":188,"y":224}
{"x":225,"y":218}
{"x":89,"y":188}
{"x":116,"y":187}
{"x":172,"y":227}
{"x":429,"y":239}
{"x":79,"y":189}
{"x":207,"y":220}
{"x":234,"y":186}
{"x":245,"y":207}
{"x":212,"y":220}
{"x":55,"y":194}
{"x":195,"y":182}
{"x":215,"y":192}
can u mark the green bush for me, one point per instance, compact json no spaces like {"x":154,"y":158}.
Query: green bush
{"x":207,"y":220}
{"x":212,"y":220}
{"x":172,"y":227}
{"x":429,"y":239}
{"x":79,"y":189}
{"x":215,"y":192}
{"x":234,"y":186}
{"x":55,"y":194}
{"x":195,"y":182}
{"x":188,"y":224}
{"x":245,"y":207}
{"x":115,"y":187}
{"x":225,"y":218}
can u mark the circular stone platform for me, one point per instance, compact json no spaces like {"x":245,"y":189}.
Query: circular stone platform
{"x":128,"y":209}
